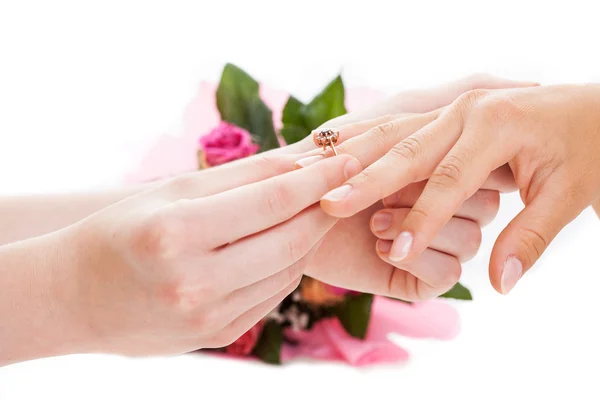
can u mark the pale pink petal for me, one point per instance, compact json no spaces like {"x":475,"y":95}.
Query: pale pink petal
{"x":371,"y":350}
{"x":431,"y":319}
{"x":172,"y":154}
{"x":310,"y":344}
{"x":275,"y":99}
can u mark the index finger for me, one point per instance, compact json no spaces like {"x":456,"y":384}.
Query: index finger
{"x":410,"y":160}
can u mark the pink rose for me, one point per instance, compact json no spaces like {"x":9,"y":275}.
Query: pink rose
{"x":245,"y":343}
{"x":225,"y":143}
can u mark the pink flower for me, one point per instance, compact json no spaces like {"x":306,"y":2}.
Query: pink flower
{"x":245,"y":343}
{"x":225,"y":143}
{"x":338,"y":291}
{"x":328,"y":340}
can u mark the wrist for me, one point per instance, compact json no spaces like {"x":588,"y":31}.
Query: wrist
{"x":42,"y":313}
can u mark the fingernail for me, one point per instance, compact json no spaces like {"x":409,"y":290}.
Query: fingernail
{"x":382,"y":221}
{"x":338,"y":194}
{"x":352,"y":168}
{"x":401,"y":246}
{"x":305,"y":162}
{"x":384,"y":246}
{"x":513,"y":269}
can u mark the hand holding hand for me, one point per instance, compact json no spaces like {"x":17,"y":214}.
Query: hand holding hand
{"x":348,"y":255}
{"x":199,"y":260}
{"x":548,"y":137}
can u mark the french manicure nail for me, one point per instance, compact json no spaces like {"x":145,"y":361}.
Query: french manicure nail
{"x":338,"y":194}
{"x":384,"y":246}
{"x":382,"y":221}
{"x":401,"y":246}
{"x":513,"y":269}
{"x":305,"y":162}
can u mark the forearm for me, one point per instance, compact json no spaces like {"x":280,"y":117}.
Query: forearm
{"x":38,"y":306}
{"x":596,"y":206}
{"x":24,"y":217}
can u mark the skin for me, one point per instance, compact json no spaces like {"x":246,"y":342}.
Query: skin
{"x":142,"y":277}
{"x":547,"y":137}
{"x":132,"y":271}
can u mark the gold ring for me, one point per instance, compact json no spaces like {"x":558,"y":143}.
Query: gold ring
{"x":326,"y":137}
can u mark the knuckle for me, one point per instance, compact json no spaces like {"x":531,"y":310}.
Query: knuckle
{"x":369,"y":177}
{"x":420,"y":212}
{"x":449,"y":172}
{"x":409,"y":149}
{"x":469,"y":98}
{"x":377,"y":137}
{"x":499,"y":109}
{"x":188,"y":301}
{"x":207,"y":320}
{"x":383,"y":130}
{"x":534,"y":243}
{"x":272,"y":163}
{"x":414,"y":290}
{"x":280,"y":196}
{"x":183,"y":184}
{"x":161,"y":237}
{"x":297,"y":248}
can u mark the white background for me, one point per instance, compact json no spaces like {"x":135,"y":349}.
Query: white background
{"x":81,"y":81}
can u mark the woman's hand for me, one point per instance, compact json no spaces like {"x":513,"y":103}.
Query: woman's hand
{"x":350,"y":255}
{"x":416,"y":101}
{"x":193,"y":263}
{"x":548,"y":136}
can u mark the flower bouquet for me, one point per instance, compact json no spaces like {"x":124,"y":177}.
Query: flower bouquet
{"x":316,"y":320}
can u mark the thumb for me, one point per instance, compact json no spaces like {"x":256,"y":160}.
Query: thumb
{"x":527,"y":236}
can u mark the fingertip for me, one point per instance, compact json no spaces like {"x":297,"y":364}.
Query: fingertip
{"x":402,"y":247}
{"x":511,"y":273}
{"x":383,"y":247}
{"x":380,"y":222}
{"x":334,"y":204}
{"x":506,"y":268}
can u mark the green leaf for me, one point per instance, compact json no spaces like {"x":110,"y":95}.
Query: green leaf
{"x":354,"y":314}
{"x":292,"y":112}
{"x":239,"y":103}
{"x":261,"y":120}
{"x":294,"y":133}
{"x":294,"y":129}
{"x":458,"y":292}
{"x":299,"y":119}
{"x":268,"y":347}
{"x":326,"y":105}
